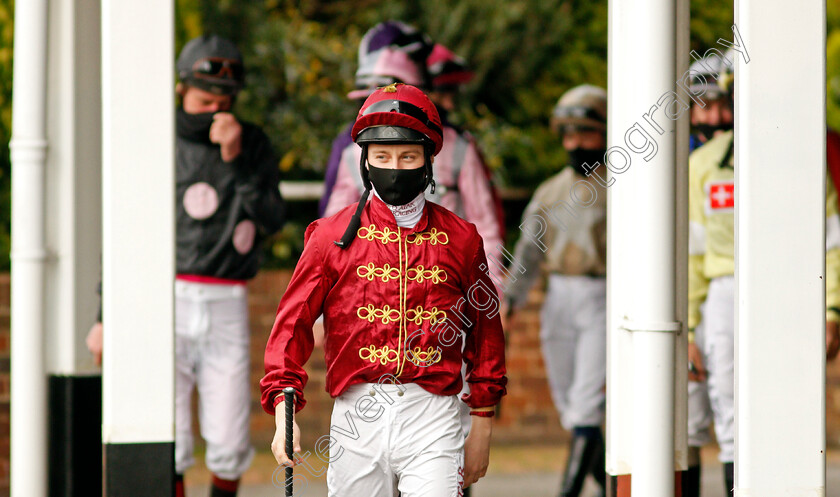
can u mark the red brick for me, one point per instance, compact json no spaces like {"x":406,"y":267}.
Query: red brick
{"x":4,"y":387}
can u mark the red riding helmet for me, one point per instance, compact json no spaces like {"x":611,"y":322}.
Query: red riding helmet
{"x":399,"y":113}
{"x":447,"y":70}
{"x":394,"y":114}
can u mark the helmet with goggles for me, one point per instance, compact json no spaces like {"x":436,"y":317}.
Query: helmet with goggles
{"x":712,"y":76}
{"x":583,"y":106}
{"x":213,"y":64}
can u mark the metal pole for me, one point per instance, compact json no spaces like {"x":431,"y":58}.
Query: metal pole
{"x":780,"y":249}
{"x":28,"y":253}
{"x":644,"y":429}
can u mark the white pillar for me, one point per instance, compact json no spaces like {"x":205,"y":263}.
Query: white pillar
{"x":780,"y":249}
{"x":28,"y":252}
{"x":74,"y":241}
{"x":647,"y":133}
{"x":138,"y":241}
{"x":74,"y":202}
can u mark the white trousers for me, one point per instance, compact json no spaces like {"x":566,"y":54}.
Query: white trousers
{"x":573,"y":333}
{"x":718,"y":348}
{"x":393,"y":438}
{"x":212,"y":354}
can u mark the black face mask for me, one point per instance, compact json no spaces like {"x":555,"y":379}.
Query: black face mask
{"x":707,"y":131}
{"x":580,"y":156}
{"x":194,"y":127}
{"x":397,"y":186}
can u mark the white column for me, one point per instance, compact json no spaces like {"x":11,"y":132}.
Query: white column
{"x":647,"y":136}
{"x":138,"y":220}
{"x":74,"y":202}
{"x":780,"y":249}
{"x":73,"y":239}
{"x":28,"y":252}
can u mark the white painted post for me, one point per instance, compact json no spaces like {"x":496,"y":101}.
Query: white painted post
{"x":138,"y":242}
{"x":646,"y":377}
{"x":28,"y":252}
{"x":74,"y":241}
{"x":780,"y":249}
{"x":74,"y":220}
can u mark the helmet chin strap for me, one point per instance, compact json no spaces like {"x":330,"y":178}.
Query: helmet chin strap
{"x":356,"y":219}
{"x":362,"y":169}
{"x":429,"y":171}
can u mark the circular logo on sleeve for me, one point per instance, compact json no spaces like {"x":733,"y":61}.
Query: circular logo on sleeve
{"x":243,"y":236}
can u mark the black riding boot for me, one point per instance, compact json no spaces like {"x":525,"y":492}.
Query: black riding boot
{"x":598,"y":466}
{"x":729,"y":478}
{"x":585,"y":446}
{"x":691,"y":482}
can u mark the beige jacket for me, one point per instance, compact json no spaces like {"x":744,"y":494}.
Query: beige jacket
{"x":563,"y":231}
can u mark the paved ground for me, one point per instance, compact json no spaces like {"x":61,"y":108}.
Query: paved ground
{"x":497,"y":485}
{"x":514,"y":471}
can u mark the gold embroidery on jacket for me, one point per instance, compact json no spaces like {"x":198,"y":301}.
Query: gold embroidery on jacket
{"x":386,"y":314}
{"x":433,"y":237}
{"x":386,"y":235}
{"x":385,"y":273}
{"x":384,"y":355}
{"x":418,"y":315}
{"x":403,"y":332}
{"x":425,"y":358}
{"x":403,"y":315}
{"x":421,"y":274}
{"x":370,"y":233}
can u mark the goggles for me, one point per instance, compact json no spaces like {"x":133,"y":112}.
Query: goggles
{"x":218,"y":68}
{"x":576,"y":112}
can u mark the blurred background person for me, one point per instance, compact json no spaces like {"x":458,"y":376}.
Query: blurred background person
{"x":711,"y":111}
{"x":711,"y":290}
{"x":389,"y":52}
{"x":573,"y":322}
{"x":711,"y":115}
{"x":461,"y":183}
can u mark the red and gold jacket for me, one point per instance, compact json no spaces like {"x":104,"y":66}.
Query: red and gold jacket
{"x":395,"y":303}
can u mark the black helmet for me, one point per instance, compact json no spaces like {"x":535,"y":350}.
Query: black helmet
{"x":213,"y":64}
